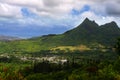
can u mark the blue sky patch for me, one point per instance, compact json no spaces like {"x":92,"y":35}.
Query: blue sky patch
{"x":27,"y":13}
{"x":77,"y":12}
{"x":85,"y":8}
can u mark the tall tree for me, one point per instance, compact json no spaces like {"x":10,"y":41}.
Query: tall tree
{"x":118,"y":46}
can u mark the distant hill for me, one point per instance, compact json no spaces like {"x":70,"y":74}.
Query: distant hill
{"x":86,"y":35}
{"x":8,"y":38}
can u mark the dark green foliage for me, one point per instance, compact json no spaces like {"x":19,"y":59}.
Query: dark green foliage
{"x":46,"y":67}
{"x":117,"y":46}
{"x":9,"y":59}
{"x":117,"y":65}
{"x":80,"y":66}
{"x":4,"y":59}
{"x":98,"y":71}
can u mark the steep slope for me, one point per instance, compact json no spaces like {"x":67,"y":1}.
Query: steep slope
{"x":82,"y":34}
{"x":109,"y":33}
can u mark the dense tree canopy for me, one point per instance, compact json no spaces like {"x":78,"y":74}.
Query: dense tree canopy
{"x":118,"y":46}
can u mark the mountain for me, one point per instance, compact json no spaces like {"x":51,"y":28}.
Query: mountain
{"x":88,"y":33}
{"x":8,"y":38}
{"x":84,"y":33}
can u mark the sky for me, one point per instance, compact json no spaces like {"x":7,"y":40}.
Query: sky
{"x":28,"y":18}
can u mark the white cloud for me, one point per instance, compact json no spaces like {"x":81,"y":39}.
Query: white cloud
{"x":61,"y":7}
{"x":43,"y":7}
{"x":58,"y":11}
{"x":9,"y":11}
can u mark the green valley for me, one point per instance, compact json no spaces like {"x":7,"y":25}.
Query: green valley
{"x":87,"y":52}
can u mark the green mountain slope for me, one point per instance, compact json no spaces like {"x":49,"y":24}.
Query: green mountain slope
{"x":87,"y":33}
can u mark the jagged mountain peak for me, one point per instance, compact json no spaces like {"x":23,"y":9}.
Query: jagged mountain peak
{"x":112,"y":25}
{"x":87,"y":23}
{"x":88,"y":20}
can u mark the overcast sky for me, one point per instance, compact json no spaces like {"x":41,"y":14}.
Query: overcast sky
{"x":27,"y":18}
